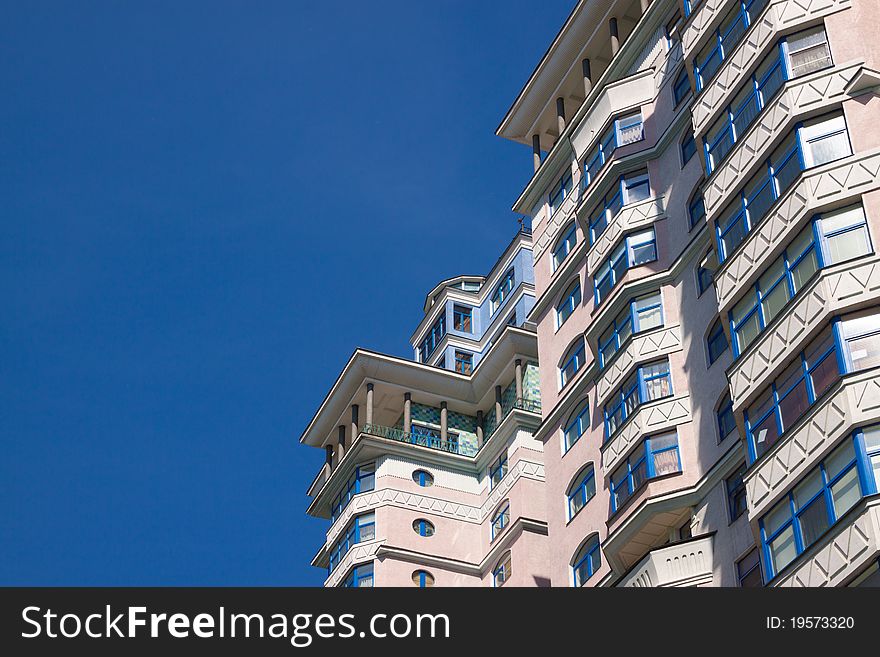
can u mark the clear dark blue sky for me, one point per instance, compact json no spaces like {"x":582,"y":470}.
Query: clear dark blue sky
{"x":205,"y":208}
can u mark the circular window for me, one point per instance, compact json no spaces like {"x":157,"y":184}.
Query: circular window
{"x":422,"y":578}
{"x":423,"y":478}
{"x":423,"y":527}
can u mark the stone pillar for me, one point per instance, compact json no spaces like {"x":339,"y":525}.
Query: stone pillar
{"x":444,"y":422}
{"x":560,"y":114}
{"x":615,"y":39}
{"x":518,"y":378}
{"x":341,"y":444}
{"x":328,"y":462}
{"x":588,"y":77}
{"x":498,"y":409}
{"x":407,"y":412}
{"x":479,"y":428}
{"x":354,"y":422}
{"x":644,"y":5}
{"x":536,"y":151}
{"x":369,"y":403}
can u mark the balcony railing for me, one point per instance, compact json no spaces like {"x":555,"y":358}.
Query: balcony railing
{"x":422,"y":439}
{"x":522,"y":404}
{"x":683,"y":564}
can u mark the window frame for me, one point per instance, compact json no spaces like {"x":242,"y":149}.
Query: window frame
{"x":463,"y":315}
{"x":586,"y":555}
{"x":630,"y":317}
{"x":642,"y":457}
{"x":634,"y":387}
{"x":500,"y":520}
{"x":611,"y":270}
{"x":579,"y":420}
{"x":568,"y":241}
{"x":580,"y":488}
{"x":575,"y":356}
{"x":570,"y":300}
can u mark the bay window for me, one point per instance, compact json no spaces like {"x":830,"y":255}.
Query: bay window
{"x":637,"y":249}
{"x":829,"y":239}
{"x":724,"y":39}
{"x":655,"y":457}
{"x":628,"y":189}
{"x":808,"y":51}
{"x":360,"y":576}
{"x":624,"y":130}
{"x":361,"y":529}
{"x":433,"y":338}
{"x":812,"y":143}
{"x":641,"y":314}
{"x":362,"y":480}
{"x":818,"y":501}
{"x":648,"y":383}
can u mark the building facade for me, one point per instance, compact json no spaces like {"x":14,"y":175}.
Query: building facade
{"x":705,"y":214}
{"x":432,"y":475}
{"x":701,"y":288}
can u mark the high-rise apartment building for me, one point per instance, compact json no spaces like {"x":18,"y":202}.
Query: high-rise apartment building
{"x":432,"y":474}
{"x":706,"y":222}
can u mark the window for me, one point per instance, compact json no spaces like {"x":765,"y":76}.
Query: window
{"x":361,"y":529}
{"x":360,"y":576}
{"x":577,"y":424}
{"x":706,"y":272}
{"x":423,"y":478}
{"x":736,"y":493}
{"x":813,"y":506}
{"x":586,"y":561}
{"x":565,"y":245}
{"x":842,"y":235}
{"x":815,"y":142}
{"x":464,"y":362}
{"x":432,"y":339}
{"x":423,"y":527}
{"x":497,"y":471}
{"x":748,"y":570}
{"x":681,"y":88}
{"x":791,"y":394}
{"x":422,"y":578}
{"x":362,"y":480}
{"x":808,"y":51}
{"x":648,"y":383}
{"x":696,"y":209}
{"x":500,"y":520}
{"x":688,"y":146}
{"x":754,"y":95}
{"x":637,"y":249}
{"x":560,"y":192}
{"x":860,"y":336}
{"x":726,"y":421}
{"x":824,"y":140}
{"x":625,"y":130}
{"x":724,"y":40}
{"x":571,"y":299}
{"x":641,"y":314}
{"x":462,"y":318}
{"x":505,"y":287}
{"x":502,"y":571}
{"x":581,"y":491}
{"x":572,"y":361}
{"x":716,"y":342}
{"x":656,"y":457}
{"x":628,"y":189}
{"x":690,"y":6}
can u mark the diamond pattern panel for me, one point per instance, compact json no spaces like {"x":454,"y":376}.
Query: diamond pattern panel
{"x":630,"y":217}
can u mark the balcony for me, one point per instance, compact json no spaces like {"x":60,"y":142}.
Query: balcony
{"x":648,"y":418}
{"x":629,"y":218}
{"x":833,"y":290}
{"x":842,"y":553}
{"x":779,"y":17}
{"x":641,"y":348}
{"x":835,"y":183}
{"x":853,"y":403}
{"x":682,"y":564}
{"x":423,"y":438}
{"x":814,"y":92}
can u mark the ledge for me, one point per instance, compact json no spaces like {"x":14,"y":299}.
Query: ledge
{"x":688,"y":563}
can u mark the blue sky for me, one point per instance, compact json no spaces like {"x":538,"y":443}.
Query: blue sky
{"x":205,"y":208}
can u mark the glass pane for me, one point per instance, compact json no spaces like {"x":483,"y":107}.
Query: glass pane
{"x":813,"y":521}
{"x":765,"y":434}
{"x":666,"y":441}
{"x":864,"y":352}
{"x":783,"y":549}
{"x":846,"y":492}
{"x":848,"y":245}
{"x":643,"y":253}
{"x":804,"y":270}
{"x":774,"y":301}
{"x":777,"y":517}
{"x":793,"y":406}
{"x":807,"y":489}
{"x":827,"y":148}
{"x":839,"y":460}
{"x":666,"y":462}
{"x":872,"y":438}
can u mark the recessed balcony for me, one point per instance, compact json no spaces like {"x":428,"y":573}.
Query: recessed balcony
{"x":687,"y":563}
